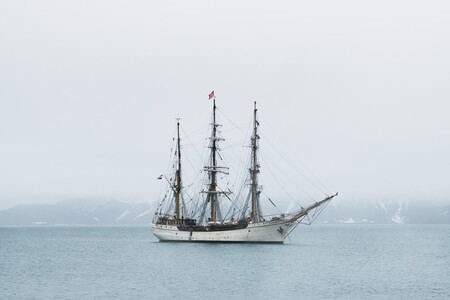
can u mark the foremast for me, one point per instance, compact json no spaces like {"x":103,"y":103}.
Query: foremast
{"x":255,"y":213}
{"x":178,"y":186}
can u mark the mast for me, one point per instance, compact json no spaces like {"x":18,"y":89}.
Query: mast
{"x":213,"y":190}
{"x":178,"y":173}
{"x":254,"y":170}
{"x":213,"y":172}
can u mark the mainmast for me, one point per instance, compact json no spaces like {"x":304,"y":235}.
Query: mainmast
{"x":213,"y":171}
{"x":178,"y":173}
{"x":213,"y":191}
{"x":254,"y":170}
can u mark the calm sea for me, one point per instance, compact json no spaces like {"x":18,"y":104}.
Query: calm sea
{"x":318,"y":262}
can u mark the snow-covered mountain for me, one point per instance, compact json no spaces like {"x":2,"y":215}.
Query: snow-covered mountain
{"x":79,"y":212}
{"x":385,"y":212}
{"x":115,"y":212}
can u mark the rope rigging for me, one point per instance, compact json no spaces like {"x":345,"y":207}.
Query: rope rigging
{"x":318,"y":183}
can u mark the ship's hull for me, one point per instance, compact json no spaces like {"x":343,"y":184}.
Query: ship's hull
{"x":262,"y":232}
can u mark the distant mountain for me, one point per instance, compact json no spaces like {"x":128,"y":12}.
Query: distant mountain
{"x":115,"y":212}
{"x":385,"y":212}
{"x":79,"y":212}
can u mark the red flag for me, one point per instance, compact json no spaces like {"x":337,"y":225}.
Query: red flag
{"x":211,"y":95}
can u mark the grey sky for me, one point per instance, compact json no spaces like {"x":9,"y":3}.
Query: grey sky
{"x":89,"y":91}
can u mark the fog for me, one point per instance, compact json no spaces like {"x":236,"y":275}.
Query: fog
{"x":89,"y":92}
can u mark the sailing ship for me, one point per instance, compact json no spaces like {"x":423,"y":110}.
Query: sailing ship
{"x":206,"y":222}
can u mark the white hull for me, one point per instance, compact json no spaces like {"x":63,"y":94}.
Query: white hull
{"x":263,"y":232}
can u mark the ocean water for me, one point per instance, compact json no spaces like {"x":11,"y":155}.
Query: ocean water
{"x":317,"y":262}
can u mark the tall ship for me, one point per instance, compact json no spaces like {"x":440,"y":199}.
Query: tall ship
{"x":215,"y":214}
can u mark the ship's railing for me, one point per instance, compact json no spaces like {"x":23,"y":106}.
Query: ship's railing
{"x":173,"y":221}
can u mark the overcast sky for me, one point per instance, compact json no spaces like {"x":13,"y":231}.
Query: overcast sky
{"x":89,"y":91}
